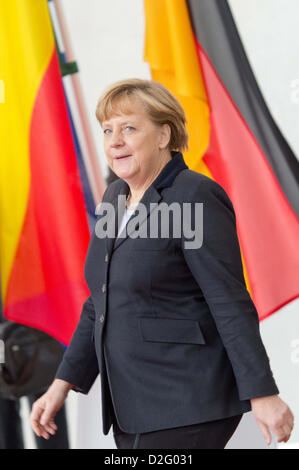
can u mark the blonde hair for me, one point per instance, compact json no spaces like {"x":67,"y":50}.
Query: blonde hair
{"x":159,"y":103}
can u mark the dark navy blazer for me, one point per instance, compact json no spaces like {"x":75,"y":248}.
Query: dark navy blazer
{"x":173,"y":331}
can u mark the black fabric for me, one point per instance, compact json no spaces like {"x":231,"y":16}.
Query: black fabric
{"x":170,"y":171}
{"x":216,"y":31}
{"x":209,"y":435}
{"x":11,"y":435}
{"x":31,"y":360}
{"x":183,"y":378}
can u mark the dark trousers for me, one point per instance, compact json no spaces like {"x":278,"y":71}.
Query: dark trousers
{"x":11,"y":436}
{"x":209,"y":435}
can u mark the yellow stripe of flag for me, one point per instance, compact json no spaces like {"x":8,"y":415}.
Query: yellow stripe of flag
{"x":171,"y":52}
{"x":27,"y":44}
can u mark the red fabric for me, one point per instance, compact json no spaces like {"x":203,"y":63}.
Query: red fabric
{"x":47,"y":287}
{"x":268,"y":228}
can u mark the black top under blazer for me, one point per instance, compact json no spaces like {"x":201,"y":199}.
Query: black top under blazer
{"x":172,"y":331}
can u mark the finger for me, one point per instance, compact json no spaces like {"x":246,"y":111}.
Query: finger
{"x":266,"y":433}
{"x":46,"y":431}
{"x":281,"y":433}
{"x":47,"y":416}
{"x":35,"y":418}
{"x":40,"y":424}
{"x":36,"y":411}
{"x":284,"y":438}
{"x":36,"y":428}
{"x":40,"y":429}
{"x":290,"y":422}
{"x":290,"y":419}
{"x":53,"y":425}
{"x":44,"y":434}
{"x":287,"y":432}
{"x":49,"y":430}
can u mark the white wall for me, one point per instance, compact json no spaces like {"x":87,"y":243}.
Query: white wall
{"x":108,"y":39}
{"x":269,"y":31}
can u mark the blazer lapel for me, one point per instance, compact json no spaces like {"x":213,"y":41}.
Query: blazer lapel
{"x":149,"y":200}
{"x":119,"y":205}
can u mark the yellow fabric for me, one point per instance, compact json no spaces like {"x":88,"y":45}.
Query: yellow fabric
{"x":27,"y":43}
{"x":171,"y":52}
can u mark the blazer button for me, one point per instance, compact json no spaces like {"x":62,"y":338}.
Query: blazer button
{"x":102,"y":318}
{"x":104,"y":288}
{"x":106,"y":257}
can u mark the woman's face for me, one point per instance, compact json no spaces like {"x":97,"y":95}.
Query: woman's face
{"x":133,"y":144}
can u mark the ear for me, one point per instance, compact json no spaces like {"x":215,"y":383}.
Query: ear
{"x":165,"y":135}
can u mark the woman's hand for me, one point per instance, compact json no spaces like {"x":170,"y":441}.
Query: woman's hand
{"x":45,"y":408}
{"x":272,"y":413}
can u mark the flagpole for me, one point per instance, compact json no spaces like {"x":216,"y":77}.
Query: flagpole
{"x":90,"y":157}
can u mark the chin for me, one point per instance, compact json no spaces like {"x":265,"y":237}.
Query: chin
{"x":123,"y":174}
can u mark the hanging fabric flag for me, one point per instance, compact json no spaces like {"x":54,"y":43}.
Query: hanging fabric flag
{"x":194,"y":49}
{"x":44,"y":231}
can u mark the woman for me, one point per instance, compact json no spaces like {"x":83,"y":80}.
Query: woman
{"x":169,"y":323}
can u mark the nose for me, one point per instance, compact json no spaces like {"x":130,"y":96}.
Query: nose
{"x":116,"y":139}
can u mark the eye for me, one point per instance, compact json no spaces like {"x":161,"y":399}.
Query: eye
{"x":129,"y":127}
{"x":105,"y":131}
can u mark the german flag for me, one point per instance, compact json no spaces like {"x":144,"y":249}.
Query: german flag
{"x":194,"y":49}
{"x":44,"y":231}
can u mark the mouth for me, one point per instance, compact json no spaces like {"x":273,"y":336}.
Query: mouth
{"x":122,"y":157}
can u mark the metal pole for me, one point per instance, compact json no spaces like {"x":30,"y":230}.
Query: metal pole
{"x":91,"y":161}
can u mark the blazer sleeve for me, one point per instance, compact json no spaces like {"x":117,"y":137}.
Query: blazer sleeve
{"x":217,"y":268}
{"x":79,"y":365}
